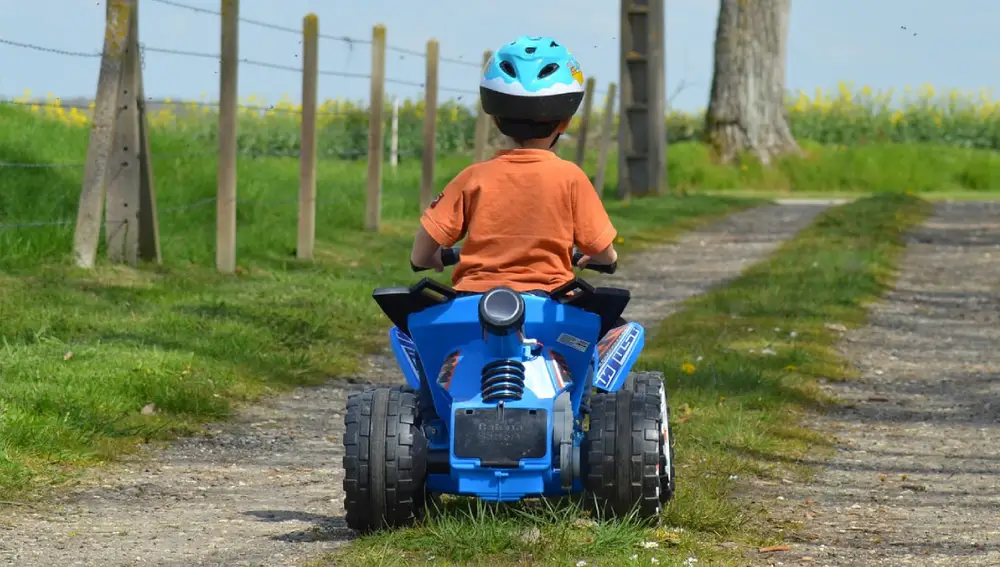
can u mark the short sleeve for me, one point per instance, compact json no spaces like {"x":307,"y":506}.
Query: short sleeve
{"x":444,"y":219}
{"x":592,"y":228}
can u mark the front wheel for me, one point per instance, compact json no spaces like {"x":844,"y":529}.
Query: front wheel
{"x":629,"y":460}
{"x":385,"y":459}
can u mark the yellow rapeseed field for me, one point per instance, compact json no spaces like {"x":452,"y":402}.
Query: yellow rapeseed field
{"x":846,"y":116}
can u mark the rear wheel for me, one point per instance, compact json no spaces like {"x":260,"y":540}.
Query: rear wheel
{"x":623,"y":450}
{"x":385,"y":459}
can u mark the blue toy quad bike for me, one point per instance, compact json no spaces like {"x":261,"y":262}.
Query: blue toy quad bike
{"x":508,"y":396}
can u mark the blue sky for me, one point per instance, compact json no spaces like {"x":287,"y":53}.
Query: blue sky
{"x":830,"y":40}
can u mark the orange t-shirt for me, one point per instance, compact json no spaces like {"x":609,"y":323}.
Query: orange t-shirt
{"x":520,"y":213}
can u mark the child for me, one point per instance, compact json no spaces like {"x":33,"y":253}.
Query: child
{"x":522,"y":211}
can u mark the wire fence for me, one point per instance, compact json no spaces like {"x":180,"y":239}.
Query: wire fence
{"x":289,"y":149}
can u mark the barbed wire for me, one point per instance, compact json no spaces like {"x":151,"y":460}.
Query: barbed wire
{"x":246,"y":155}
{"x":247,"y":61}
{"x":351,"y":41}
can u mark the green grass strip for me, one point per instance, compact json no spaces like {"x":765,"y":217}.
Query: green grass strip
{"x":741,"y":364}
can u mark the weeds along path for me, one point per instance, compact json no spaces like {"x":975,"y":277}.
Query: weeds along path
{"x":265,"y":488}
{"x":916,"y":478}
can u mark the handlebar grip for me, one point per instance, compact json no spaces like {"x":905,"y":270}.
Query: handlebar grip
{"x":601,"y":268}
{"x":449,"y":257}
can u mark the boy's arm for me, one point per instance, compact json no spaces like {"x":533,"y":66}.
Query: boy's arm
{"x":426,"y":252}
{"x":442,"y":224}
{"x":593,"y":232}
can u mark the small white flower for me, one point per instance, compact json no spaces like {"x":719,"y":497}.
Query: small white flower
{"x":654,"y":560}
{"x":650,"y":544}
{"x":634,"y":556}
{"x":734,"y":476}
{"x":690,"y":561}
{"x":581,"y":563}
{"x":767,"y":351}
{"x":699,"y":359}
{"x":777,"y":329}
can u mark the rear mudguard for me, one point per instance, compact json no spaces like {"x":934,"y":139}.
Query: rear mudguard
{"x":406,"y":356}
{"x":616,"y":353}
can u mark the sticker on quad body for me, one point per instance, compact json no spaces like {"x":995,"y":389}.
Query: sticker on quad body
{"x":406,"y":356}
{"x":617,"y":352}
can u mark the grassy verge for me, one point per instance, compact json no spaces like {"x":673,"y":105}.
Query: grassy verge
{"x":81,"y":354}
{"x":741,"y":364}
{"x":873,"y":168}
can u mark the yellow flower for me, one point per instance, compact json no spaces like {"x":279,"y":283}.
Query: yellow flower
{"x":688,"y":368}
{"x":790,"y":368}
{"x":620,"y":240}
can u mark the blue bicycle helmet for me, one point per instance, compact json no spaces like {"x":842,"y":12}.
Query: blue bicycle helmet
{"x":530,"y":85}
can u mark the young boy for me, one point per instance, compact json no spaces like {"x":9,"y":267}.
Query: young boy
{"x":522,"y":211}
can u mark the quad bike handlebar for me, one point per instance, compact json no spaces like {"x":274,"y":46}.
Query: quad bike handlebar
{"x":450,"y":257}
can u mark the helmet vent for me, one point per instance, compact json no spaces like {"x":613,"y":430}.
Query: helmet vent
{"x":548,"y":70}
{"x":553,"y":44}
{"x":508,"y":67}
{"x":530,"y":50}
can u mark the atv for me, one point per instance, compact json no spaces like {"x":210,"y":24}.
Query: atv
{"x":508,"y":396}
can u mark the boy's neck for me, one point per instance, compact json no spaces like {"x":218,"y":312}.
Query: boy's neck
{"x":543,"y":144}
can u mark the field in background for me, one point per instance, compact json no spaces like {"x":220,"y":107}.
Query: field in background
{"x":844,"y":117}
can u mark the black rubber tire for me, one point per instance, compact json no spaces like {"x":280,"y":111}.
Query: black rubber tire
{"x":385,"y":459}
{"x":622,"y":452}
{"x":650,"y":385}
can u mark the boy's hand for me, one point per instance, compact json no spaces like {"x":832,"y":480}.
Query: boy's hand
{"x":436,"y":263}
{"x":582,"y":263}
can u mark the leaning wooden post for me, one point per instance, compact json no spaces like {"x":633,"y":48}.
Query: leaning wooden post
{"x":588,"y":102}
{"x":130,"y":214}
{"x":307,"y":146}
{"x":225,"y":237}
{"x":430,"y":125}
{"x":99,"y":148}
{"x":604,"y":143}
{"x":373,"y":204}
{"x":482,"y":123}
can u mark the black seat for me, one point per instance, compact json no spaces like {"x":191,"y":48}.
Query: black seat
{"x":398,"y":303}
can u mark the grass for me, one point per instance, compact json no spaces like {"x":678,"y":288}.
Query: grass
{"x":925,"y":169}
{"x":82,"y":353}
{"x":741,"y":365}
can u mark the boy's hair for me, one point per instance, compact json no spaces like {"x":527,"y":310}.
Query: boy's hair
{"x":521,"y":130}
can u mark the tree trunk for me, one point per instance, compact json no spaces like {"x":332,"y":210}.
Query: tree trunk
{"x":747,"y":110}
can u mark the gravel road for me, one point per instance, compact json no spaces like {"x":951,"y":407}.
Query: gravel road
{"x":265,"y":488}
{"x":916,"y":478}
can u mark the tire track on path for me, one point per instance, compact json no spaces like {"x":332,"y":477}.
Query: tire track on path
{"x":916,"y":478}
{"x":265,"y":487}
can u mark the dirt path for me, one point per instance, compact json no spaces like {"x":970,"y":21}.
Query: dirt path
{"x":265,"y":488}
{"x":916,"y":479}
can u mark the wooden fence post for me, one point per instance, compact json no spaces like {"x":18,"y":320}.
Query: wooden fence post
{"x":430,"y":125}
{"x":127,"y":228}
{"x":588,"y":102}
{"x":99,"y":147}
{"x":307,"y":146}
{"x":149,"y":224}
{"x":482,"y":123}
{"x":394,"y":133}
{"x":225,"y":237}
{"x":373,"y":204}
{"x":604,"y":143}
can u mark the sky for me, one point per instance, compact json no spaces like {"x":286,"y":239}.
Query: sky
{"x":862,"y":41}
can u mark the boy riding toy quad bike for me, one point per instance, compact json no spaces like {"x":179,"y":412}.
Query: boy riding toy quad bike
{"x":508,"y":396}
{"x":518,"y":380}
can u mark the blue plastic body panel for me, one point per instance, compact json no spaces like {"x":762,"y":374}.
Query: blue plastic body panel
{"x":447,"y":349}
